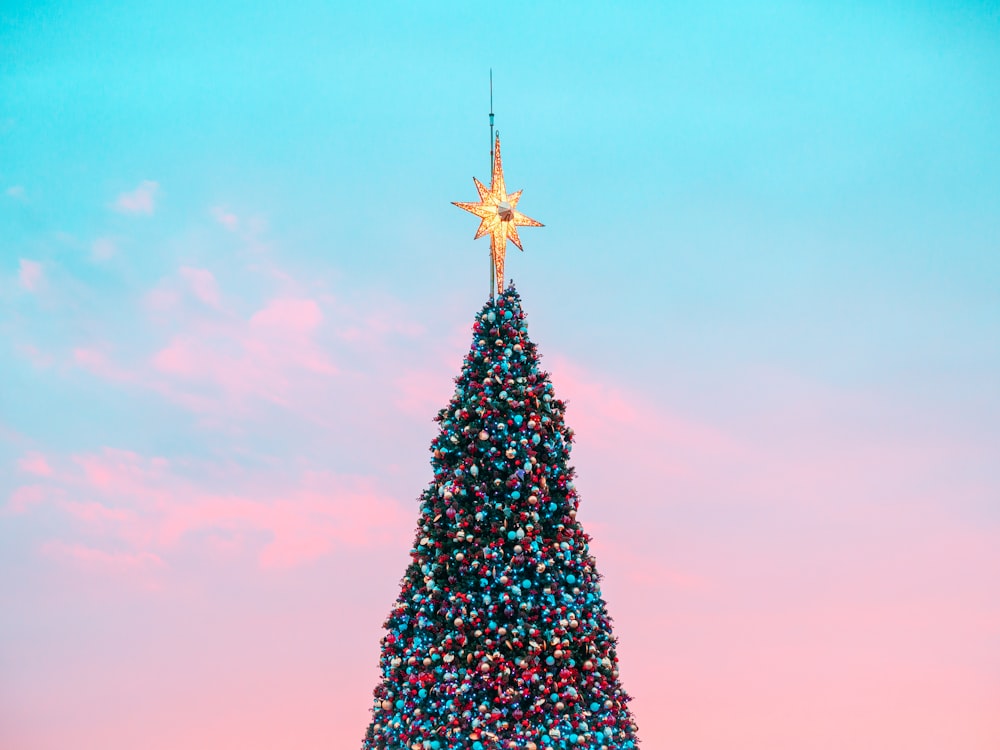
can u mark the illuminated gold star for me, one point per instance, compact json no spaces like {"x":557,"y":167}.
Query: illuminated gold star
{"x":499,"y":214}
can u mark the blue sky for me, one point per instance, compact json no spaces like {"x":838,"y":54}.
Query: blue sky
{"x":768,"y":282}
{"x":719,"y":161}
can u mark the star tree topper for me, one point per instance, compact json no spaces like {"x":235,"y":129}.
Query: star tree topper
{"x":499,"y":214}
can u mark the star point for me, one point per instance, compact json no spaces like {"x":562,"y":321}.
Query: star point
{"x":499,"y":216}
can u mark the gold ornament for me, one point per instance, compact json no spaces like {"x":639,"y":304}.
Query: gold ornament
{"x":499,"y":214}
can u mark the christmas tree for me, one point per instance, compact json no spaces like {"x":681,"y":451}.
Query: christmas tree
{"x":500,"y":637}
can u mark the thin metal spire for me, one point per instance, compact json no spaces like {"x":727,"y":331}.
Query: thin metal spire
{"x":491,"y":120}
{"x":492,"y":147}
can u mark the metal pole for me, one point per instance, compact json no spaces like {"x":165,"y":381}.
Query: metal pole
{"x":492,"y":146}
{"x":491,"y":121}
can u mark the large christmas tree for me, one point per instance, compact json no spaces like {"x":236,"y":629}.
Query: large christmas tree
{"x":500,"y":637}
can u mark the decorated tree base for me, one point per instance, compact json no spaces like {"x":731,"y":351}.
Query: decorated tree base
{"x":500,"y":637}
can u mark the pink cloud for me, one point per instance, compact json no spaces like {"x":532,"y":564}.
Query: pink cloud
{"x":35,"y":463}
{"x":94,"y":512}
{"x":97,"y":362}
{"x":238,"y":369}
{"x":121,"y":472}
{"x":25,"y":497}
{"x":281,"y":353}
{"x":226,"y":218}
{"x":161,"y":300}
{"x":142,"y":200}
{"x":287,"y":328}
{"x":226,"y":367}
{"x":305,"y":523}
{"x":177,"y":358}
{"x":202,"y":284}
{"x":31,"y":274}
{"x":373,"y":327}
{"x":270,"y":356}
{"x":296,"y":317}
{"x":82,"y":554}
{"x":141,"y":508}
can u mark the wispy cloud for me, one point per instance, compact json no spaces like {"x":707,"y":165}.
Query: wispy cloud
{"x":371,"y":327}
{"x":262,"y":357}
{"x":34,"y":463}
{"x":15,"y":191}
{"x":92,"y":556}
{"x":137,"y":509}
{"x":31,"y":274}
{"x":25,"y":497}
{"x":202,"y":284}
{"x":97,"y":362}
{"x":204,"y":351}
{"x":226,"y":218}
{"x":142,"y":200}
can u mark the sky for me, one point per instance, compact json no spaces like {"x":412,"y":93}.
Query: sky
{"x":233,"y":295}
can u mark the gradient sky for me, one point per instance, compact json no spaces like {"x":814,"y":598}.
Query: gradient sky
{"x":233,"y":294}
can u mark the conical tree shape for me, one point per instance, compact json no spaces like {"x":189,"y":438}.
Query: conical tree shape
{"x":500,"y":637}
